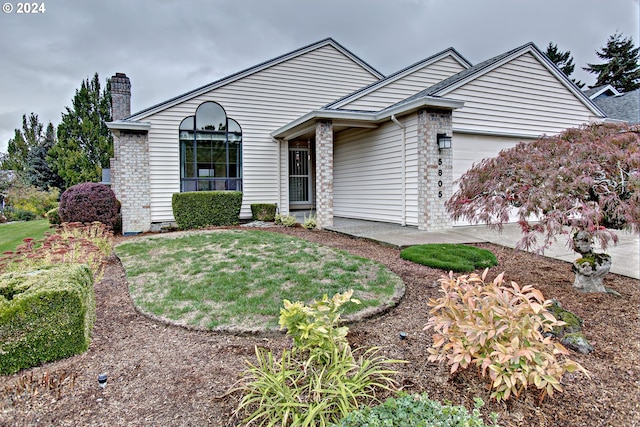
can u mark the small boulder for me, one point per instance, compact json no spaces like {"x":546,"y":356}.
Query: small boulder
{"x":577,"y":342}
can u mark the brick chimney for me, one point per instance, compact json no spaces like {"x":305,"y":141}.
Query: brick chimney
{"x":120,"y":97}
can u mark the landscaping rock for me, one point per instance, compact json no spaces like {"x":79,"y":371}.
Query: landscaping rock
{"x":577,"y":342}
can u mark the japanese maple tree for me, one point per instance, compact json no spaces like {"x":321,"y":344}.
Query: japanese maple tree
{"x":584,"y":179}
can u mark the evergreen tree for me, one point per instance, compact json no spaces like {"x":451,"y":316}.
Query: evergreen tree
{"x":564,"y":61}
{"x":19,"y":147}
{"x":621,"y":70}
{"x":39,"y":173}
{"x":84,"y":144}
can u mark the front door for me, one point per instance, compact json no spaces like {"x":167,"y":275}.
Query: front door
{"x":299,"y":178}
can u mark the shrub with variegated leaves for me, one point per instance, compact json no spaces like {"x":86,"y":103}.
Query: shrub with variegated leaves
{"x":501,"y":329}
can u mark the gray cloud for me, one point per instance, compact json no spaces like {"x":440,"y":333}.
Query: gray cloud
{"x":169,"y":47}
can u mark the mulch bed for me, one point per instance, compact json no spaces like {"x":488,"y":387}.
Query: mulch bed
{"x":169,"y":376}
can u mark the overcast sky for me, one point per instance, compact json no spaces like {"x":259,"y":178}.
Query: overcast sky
{"x":168,"y":47}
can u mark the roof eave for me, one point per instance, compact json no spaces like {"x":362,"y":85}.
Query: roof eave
{"x":293,"y":129}
{"x":127,"y":125}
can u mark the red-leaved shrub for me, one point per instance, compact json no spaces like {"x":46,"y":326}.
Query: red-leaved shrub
{"x":89,"y":202}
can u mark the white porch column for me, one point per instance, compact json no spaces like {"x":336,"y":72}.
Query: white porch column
{"x":435,"y":170}
{"x":324,"y":173}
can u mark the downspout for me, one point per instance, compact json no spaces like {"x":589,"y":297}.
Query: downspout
{"x":279,"y":175}
{"x":403,"y":173}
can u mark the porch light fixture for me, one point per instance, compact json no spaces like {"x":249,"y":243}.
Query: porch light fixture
{"x":444,"y":141}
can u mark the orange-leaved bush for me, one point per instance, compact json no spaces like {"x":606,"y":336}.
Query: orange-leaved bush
{"x":500,"y":328}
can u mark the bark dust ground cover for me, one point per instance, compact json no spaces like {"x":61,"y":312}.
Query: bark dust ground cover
{"x":164,"y":375}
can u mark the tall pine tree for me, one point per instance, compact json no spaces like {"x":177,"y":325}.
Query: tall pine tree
{"x":19,"y":147}
{"x":564,"y":61}
{"x":84,"y":144}
{"x":621,"y":70}
{"x":40,"y":173}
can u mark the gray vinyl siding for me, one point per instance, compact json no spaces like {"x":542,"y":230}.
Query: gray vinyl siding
{"x":520,"y":97}
{"x":261,"y":103}
{"x":367,"y":174}
{"x":404,"y":87}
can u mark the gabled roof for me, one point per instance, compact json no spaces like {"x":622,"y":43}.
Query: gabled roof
{"x":398,"y":75}
{"x":625,"y":106}
{"x":447,"y":85}
{"x":605,"y":90}
{"x":256,"y":68}
{"x":356,"y":118}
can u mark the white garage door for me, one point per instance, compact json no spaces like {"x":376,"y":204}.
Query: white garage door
{"x":470,"y":149}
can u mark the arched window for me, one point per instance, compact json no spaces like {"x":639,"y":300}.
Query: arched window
{"x":210,"y":150}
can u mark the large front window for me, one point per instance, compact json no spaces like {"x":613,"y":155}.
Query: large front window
{"x":210,"y":151}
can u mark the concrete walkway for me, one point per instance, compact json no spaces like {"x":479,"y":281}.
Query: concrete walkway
{"x":625,"y":255}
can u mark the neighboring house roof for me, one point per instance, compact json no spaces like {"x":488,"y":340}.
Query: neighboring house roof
{"x":605,"y":90}
{"x":399,"y":75}
{"x":625,"y":106}
{"x":244,"y":73}
{"x":447,"y":85}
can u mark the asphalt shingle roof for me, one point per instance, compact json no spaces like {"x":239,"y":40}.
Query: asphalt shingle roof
{"x":622,"y":107}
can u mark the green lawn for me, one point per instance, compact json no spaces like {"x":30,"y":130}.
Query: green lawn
{"x":237,"y":279}
{"x":11,"y":235}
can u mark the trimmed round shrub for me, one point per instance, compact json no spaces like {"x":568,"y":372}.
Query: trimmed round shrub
{"x":263,"y":211}
{"x":416,"y":410}
{"x":450,"y":257}
{"x":89,"y":202}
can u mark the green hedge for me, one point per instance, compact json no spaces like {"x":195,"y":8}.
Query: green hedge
{"x":45,"y":315}
{"x":417,"y":411}
{"x":199,"y":209}
{"x":263,"y":211}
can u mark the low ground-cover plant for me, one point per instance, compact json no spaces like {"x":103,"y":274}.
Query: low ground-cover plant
{"x":286,"y":220}
{"x":320,"y":379}
{"x":236,"y":279}
{"x":450,"y":257}
{"x":89,"y":202}
{"x":501,"y":328}
{"x":415,"y":410}
{"x":309,"y":222}
{"x":200,"y":209}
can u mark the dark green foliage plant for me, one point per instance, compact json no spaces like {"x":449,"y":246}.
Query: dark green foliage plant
{"x":89,"y":202}
{"x":563,"y":60}
{"x":450,"y":257}
{"x":416,"y":410}
{"x":263,"y":211}
{"x":200,"y":209}
{"x":622,"y":67}
{"x":84,"y":144}
{"x":45,"y":314}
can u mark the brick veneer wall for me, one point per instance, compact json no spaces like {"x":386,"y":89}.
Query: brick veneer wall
{"x":130,"y":179}
{"x":435,"y":170}
{"x":324,"y":174}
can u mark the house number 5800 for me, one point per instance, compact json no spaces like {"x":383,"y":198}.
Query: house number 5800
{"x":440,"y":174}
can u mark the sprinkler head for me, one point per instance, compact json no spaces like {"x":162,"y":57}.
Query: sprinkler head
{"x":102,"y":380}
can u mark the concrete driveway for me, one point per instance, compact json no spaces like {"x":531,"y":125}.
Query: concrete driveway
{"x":625,"y":255}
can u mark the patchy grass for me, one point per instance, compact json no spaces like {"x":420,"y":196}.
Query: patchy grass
{"x":11,"y":234}
{"x":237,"y":279}
{"x":447,"y":256}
